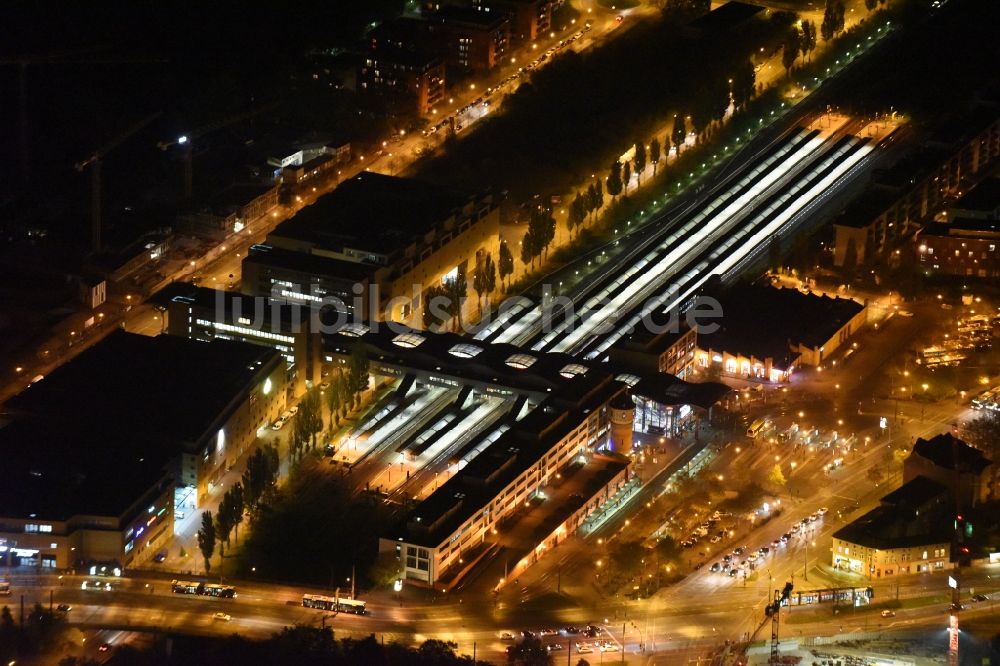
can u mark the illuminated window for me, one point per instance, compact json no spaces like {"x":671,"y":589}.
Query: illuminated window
{"x":464,"y":350}
{"x":572,"y":370}
{"x":408,"y":340}
{"x":631,"y":380}
{"x":521,"y":361}
{"x":354,"y":330}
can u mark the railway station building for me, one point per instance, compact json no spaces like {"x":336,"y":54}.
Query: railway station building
{"x":98,"y":454}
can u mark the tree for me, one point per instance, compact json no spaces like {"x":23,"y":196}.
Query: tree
{"x":640,"y":161}
{"x":358,"y":369}
{"x":808,"y":37}
{"x":627,"y":556}
{"x":224,"y":522}
{"x":6,"y":619}
{"x":480,"y":279}
{"x":626,"y":176}
{"x":983,"y":432}
{"x":505,"y":262}
{"x":595,"y":196}
{"x":237,"y":506}
{"x":529,"y":652}
{"x":679,"y":133}
{"x":614,"y":183}
{"x":542,"y":224}
{"x":206,"y":539}
{"x":792,"y":47}
{"x":491,"y":275}
{"x":577,"y":212}
{"x":528,"y":245}
{"x":667,"y":549}
{"x":776,"y":477}
{"x":838,"y":14}
{"x":456,"y":289}
{"x":743,"y":83}
{"x":833,"y":20}
{"x":655,"y":153}
{"x":385,"y":570}
{"x":333,"y":401}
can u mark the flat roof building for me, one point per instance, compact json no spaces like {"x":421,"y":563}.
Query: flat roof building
{"x":766,"y":332}
{"x":95,"y":451}
{"x":383,"y":238}
{"x":911,"y":531}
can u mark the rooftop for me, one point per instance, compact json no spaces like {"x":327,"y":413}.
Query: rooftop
{"x":96,"y":433}
{"x":984,"y":197}
{"x":310,"y":264}
{"x":898,"y":526}
{"x":764,"y":321}
{"x":916,"y":493}
{"x":468,"y":16}
{"x":727,"y":16}
{"x":868,"y":205}
{"x":962,"y":227}
{"x":949,"y":452}
{"x":374,"y":213}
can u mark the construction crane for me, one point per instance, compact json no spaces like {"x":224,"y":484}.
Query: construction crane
{"x":186,"y":141}
{"x":773,"y":611}
{"x":94,"y":164}
{"x":771,"y":614}
{"x":88,"y":56}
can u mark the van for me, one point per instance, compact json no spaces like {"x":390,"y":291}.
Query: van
{"x":756,"y":428}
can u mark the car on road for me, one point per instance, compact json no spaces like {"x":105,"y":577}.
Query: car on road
{"x":888,"y":613}
{"x":571,"y":630}
{"x":293,"y":410}
{"x":278,"y":425}
{"x":822,"y":511}
{"x":715,"y":567}
{"x":733,"y":572}
{"x":583,"y":648}
{"x":785,"y":537}
{"x":776,"y":543}
{"x":715,"y":539}
{"x":506,"y":636}
{"x":285,"y":415}
{"x":160,"y":556}
{"x":764,"y":550}
{"x":608,"y":646}
{"x":980,"y":597}
{"x":547,"y":632}
{"x":552,"y":647}
{"x":104,"y":647}
{"x":222,"y":617}
{"x":64,"y":608}
{"x":796,"y":527}
{"x":739,"y":550}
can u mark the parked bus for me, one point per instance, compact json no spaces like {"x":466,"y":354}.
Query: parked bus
{"x":203,"y":589}
{"x":340,"y":605}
